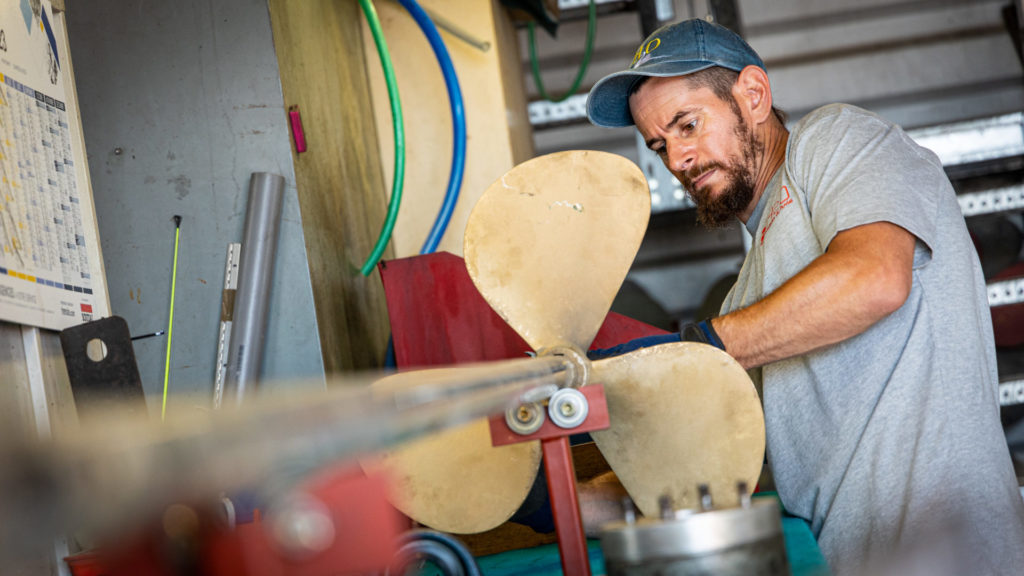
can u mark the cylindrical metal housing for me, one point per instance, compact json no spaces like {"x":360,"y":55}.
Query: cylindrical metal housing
{"x":743,"y":541}
{"x":255,"y":272}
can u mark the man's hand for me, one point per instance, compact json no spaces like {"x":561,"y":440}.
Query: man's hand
{"x":702,"y":332}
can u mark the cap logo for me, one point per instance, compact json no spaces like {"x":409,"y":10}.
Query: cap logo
{"x":643,"y":53}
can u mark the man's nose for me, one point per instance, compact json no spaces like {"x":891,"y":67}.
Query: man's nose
{"x":680,"y":156}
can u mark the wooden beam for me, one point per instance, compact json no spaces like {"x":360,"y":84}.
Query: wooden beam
{"x":498,"y":131}
{"x":341,"y":190}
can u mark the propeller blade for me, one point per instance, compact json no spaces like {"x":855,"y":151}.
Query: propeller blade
{"x":456,"y":481}
{"x":682,"y":414}
{"x":549,"y":244}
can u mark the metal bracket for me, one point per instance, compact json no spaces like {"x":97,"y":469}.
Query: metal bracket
{"x":101,"y":365}
{"x":561,"y":476}
{"x":597,"y":419}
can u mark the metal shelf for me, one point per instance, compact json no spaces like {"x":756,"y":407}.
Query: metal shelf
{"x":974,"y":141}
{"x":1011,"y":393}
{"x":564,"y":5}
{"x":954,"y":144}
{"x":992,"y":201}
{"x":546,"y":114}
{"x":1006,"y":292}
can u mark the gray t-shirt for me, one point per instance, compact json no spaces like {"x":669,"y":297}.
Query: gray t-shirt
{"x":890,"y":439}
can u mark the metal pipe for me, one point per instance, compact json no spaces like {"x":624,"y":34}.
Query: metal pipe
{"x":259,"y":247}
{"x":453,"y":29}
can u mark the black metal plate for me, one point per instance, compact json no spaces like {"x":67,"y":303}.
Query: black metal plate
{"x":112,"y":381}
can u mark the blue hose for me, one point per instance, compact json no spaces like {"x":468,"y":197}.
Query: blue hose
{"x":458,"y":124}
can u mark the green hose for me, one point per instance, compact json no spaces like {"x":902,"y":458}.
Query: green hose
{"x":396,"y":120}
{"x":535,"y":67}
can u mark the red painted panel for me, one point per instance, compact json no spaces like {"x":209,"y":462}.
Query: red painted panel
{"x":438,"y":316}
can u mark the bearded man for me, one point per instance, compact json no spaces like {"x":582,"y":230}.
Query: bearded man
{"x":860,"y":309}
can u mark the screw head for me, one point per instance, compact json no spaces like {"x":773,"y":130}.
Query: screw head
{"x":525,"y":419}
{"x":524,"y":414}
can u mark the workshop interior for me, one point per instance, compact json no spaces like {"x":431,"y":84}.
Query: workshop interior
{"x":306,"y":287}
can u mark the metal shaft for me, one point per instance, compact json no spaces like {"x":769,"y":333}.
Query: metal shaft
{"x":123,"y":469}
{"x":259,"y":247}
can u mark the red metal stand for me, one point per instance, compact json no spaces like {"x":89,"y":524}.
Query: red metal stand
{"x":565,"y":507}
{"x":561,"y":476}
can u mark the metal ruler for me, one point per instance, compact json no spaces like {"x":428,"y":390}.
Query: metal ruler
{"x":227,"y":313}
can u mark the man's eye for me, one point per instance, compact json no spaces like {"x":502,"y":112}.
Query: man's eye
{"x":661,"y":152}
{"x":689,"y":126}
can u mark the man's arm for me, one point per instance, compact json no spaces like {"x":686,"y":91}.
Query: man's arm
{"x":863,"y":276}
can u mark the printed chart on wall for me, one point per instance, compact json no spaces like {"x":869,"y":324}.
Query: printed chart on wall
{"x":50,"y":274}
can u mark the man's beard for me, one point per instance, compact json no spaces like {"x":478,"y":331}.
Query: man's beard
{"x":739,"y":191}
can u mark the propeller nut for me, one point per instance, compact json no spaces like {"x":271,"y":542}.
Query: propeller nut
{"x":576,"y":363}
{"x":568,"y":408}
{"x":704,"y":494}
{"x":525,"y":419}
{"x":666,"y":507}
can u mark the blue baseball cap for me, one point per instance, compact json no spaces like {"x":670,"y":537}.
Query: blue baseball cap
{"x":673,"y":50}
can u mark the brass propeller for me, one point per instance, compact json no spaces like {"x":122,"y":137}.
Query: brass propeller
{"x":548,"y":246}
{"x":681,"y":414}
{"x":455,"y":481}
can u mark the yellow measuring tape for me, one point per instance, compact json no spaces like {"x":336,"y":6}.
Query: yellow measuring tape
{"x":170,"y":318}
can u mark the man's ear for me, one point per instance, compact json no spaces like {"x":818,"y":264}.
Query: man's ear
{"x":754,"y":93}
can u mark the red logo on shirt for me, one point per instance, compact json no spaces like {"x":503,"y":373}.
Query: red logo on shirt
{"x":774,"y":212}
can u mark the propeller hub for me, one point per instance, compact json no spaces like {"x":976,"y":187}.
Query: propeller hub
{"x":577,"y":363}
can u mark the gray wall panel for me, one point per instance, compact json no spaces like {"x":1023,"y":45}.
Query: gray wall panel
{"x":873,"y":34}
{"x":189,"y":93}
{"x":926,"y":72}
{"x":758,"y":14}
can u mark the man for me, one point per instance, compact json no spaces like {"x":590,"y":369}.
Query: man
{"x":860,"y":307}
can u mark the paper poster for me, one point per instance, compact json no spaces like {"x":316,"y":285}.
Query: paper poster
{"x":47,"y":228}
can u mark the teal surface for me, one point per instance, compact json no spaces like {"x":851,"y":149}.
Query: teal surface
{"x":805,"y":558}
{"x":539,"y":561}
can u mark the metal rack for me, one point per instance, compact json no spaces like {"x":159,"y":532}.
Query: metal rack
{"x":1006,"y":292}
{"x":1011,"y":393}
{"x":985,"y":147}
